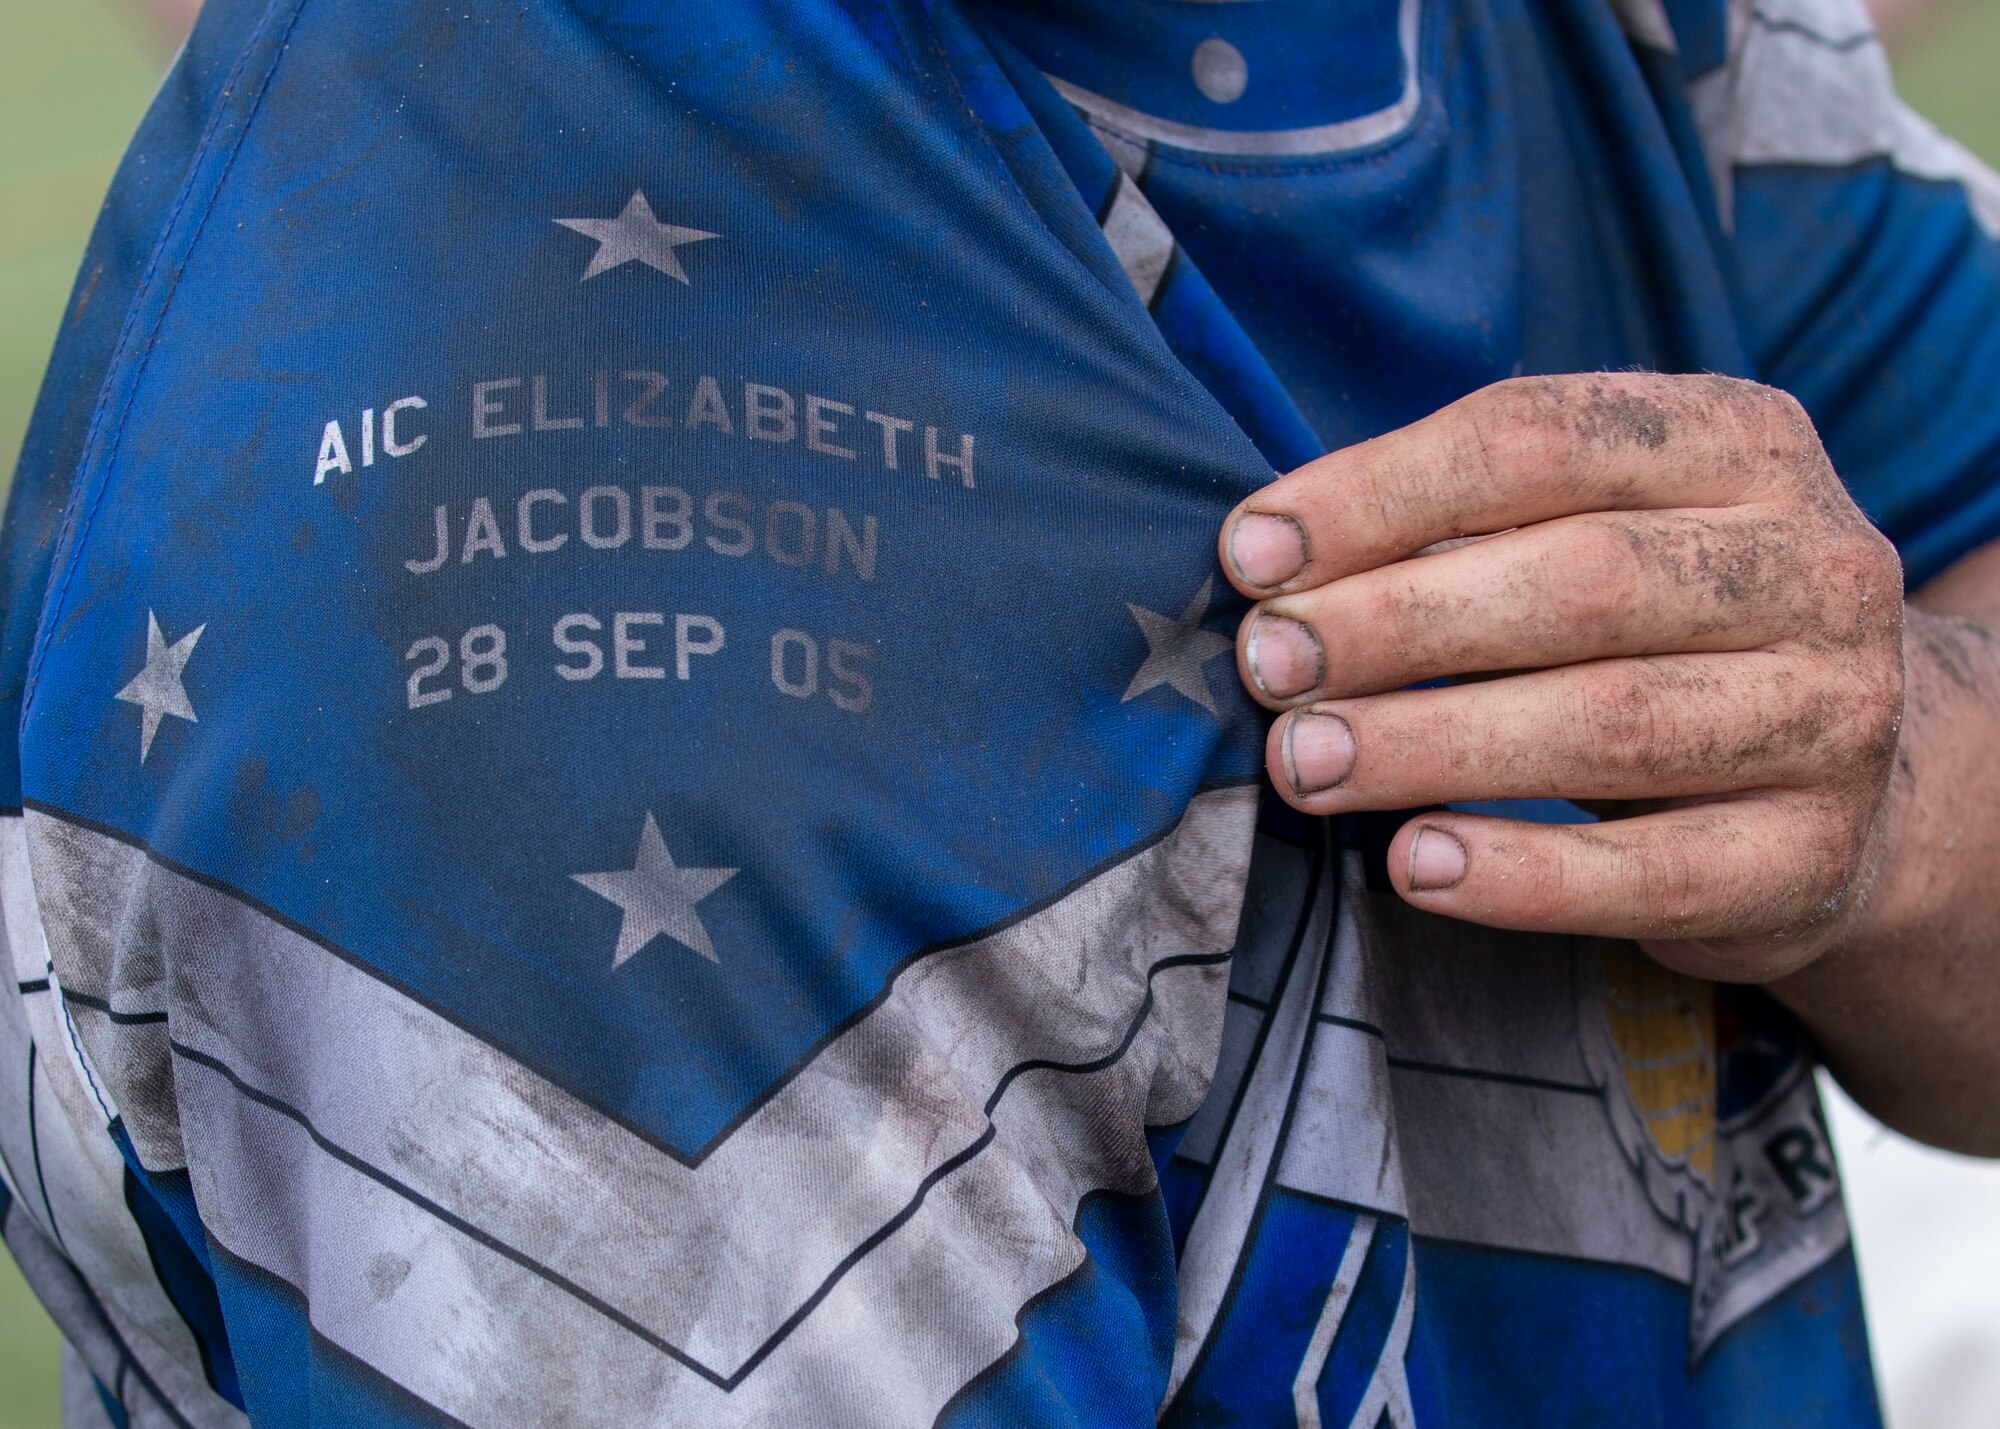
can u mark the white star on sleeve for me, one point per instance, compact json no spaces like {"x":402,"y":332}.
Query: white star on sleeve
{"x":1177,"y":648}
{"x":656,"y":896}
{"x":635,"y":236}
{"x":157,"y":690}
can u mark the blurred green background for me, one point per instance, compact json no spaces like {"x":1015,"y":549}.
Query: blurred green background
{"x":75,"y":76}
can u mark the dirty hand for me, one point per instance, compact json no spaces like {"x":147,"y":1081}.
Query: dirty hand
{"x":1692,"y":628}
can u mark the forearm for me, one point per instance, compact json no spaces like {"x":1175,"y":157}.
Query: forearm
{"x":1906,"y":1004}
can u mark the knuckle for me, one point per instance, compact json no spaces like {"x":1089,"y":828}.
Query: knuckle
{"x":1392,"y":632}
{"x":1879,"y":559}
{"x":1673,"y":887}
{"x":1786,"y":429}
{"x":1625,"y":725}
{"x":1811,"y":879}
{"x":1825,"y":865}
{"x":1772,"y":410}
{"x":1784,"y":413}
{"x":1594,"y":583}
{"x":1515,"y":430}
{"x":1855,"y":594}
{"x":1835,"y":854}
{"x":1542,"y":883}
{"x":1742,"y":394}
{"x":1651,"y":887}
{"x":1873,"y":724}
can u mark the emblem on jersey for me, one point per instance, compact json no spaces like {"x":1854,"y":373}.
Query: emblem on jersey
{"x":1714,"y":1106}
{"x":1389,"y":1078}
{"x":635,"y":236}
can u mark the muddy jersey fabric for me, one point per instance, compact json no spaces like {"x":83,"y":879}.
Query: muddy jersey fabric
{"x":625,"y":803}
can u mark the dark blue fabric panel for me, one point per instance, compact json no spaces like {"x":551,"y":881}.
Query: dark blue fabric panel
{"x":1363,"y":331}
{"x":1359,"y":1348}
{"x":1182,"y":1184}
{"x":117,"y":260}
{"x":162,"y":1206}
{"x":1619,"y":267}
{"x":297,"y":1379}
{"x":1353,"y":66}
{"x":1505,"y":1340}
{"x":1701,"y":28}
{"x":1663,"y":77}
{"x":1539,"y":811}
{"x":172,"y":1196}
{"x":1204,"y":336}
{"x":1874,"y":298}
{"x":1066,"y":174}
{"x":113,"y":1410}
{"x":888,"y":291}
{"x":1254,"y":1354}
{"x":1094,"y":1352}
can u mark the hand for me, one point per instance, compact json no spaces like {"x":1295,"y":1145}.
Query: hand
{"x":1692,"y":627}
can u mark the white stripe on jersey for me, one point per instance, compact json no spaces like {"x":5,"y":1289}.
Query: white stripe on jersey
{"x":1807,"y":82}
{"x":863,"y":1240}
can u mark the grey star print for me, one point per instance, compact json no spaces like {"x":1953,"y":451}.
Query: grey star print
{"x":635,"y":236}
{"x":657,"y":896}
{"x":1177,"y":648}
{"x":157,"y":690}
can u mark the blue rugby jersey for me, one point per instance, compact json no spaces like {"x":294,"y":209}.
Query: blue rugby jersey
{"x":628,"y":806}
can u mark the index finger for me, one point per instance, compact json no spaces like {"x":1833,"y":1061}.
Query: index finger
{"x":1521,"y":451}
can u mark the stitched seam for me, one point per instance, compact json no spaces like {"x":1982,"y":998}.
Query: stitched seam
{"x":75,"y":532}
{"x":941,"y":52}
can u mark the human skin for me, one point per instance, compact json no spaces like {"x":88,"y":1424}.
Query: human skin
{"x":1684,"y":623}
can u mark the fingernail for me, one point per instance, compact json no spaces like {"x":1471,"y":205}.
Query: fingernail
{"x":1266,"y":550}
{"x":1319,"y":751}
{"x":1437,"y":860}
{"x":1284,"y":657}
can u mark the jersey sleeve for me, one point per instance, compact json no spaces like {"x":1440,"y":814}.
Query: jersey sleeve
{"x":119,"y":262}
{"x":629,"y":806}
{"x":113,"y":1251}
{"x":1865,"y":248}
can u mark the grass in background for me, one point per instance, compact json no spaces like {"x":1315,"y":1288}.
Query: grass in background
{"x":1945,"y":68}
{"x":75,"y":75}
{"x":28,"y":1348}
